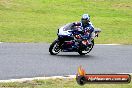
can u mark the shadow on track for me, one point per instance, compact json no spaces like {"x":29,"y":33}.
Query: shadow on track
{"x":76,"y":56}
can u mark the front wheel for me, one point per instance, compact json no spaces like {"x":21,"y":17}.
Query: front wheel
{"x":54,"y":48}
{"x":87,"y":50}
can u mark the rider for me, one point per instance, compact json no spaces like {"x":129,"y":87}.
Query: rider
{"x":86,"y":25}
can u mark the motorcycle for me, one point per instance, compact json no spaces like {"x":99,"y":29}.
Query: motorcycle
{"x":70,"y":40}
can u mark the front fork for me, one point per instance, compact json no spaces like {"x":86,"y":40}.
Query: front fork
{"x":86,"y":44}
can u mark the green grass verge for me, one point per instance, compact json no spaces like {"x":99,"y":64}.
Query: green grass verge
{"x":60,"y":83}
{"x":38,"y":20}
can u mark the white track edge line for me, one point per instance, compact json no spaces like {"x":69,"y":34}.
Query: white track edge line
{"x":95,"y":44}
{"x":39,"y":78}
{"x":108,"y":44}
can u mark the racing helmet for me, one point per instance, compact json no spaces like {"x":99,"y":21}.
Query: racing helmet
{"x":85,"y":19}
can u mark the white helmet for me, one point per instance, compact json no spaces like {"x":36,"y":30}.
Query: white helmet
{"x":85,"y":19}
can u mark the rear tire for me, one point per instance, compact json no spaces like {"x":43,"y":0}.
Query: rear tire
{"x":54,"y":48}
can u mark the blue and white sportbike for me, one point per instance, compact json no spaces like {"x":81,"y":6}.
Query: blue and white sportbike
{"x":73,"y":39}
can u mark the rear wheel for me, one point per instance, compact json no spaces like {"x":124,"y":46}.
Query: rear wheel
{"x":54,"y":48}
{"x":87,"y":50}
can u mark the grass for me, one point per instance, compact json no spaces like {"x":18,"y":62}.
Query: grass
{"x":38,"y":20}
{"x":59,"y":83}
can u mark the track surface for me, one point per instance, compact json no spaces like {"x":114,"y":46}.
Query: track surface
{"x":23,"y":60}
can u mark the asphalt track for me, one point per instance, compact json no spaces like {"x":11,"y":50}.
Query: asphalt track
{"x":25,"y":60}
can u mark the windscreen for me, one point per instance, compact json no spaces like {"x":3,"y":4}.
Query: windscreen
{"x":68,"y":26}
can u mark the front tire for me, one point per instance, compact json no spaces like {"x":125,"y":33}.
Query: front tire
{"x":54,"y":48}
{"x":83,"y":52}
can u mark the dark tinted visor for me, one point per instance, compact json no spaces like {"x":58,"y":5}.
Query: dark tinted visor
{"x":85,"y":21}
